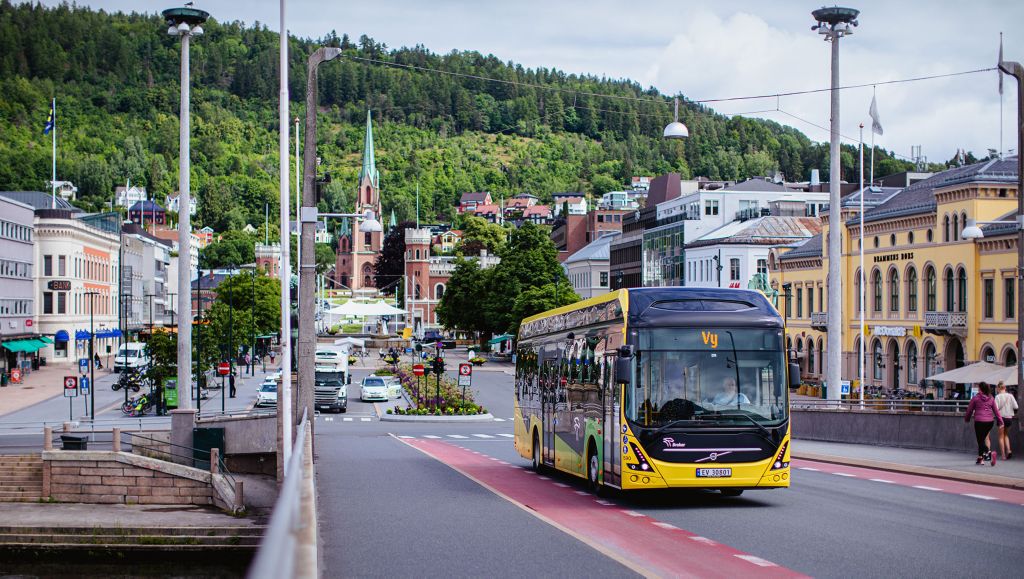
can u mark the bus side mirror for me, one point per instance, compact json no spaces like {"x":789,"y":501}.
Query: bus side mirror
{"x":624,"y":365}
{"x":794,"y":375}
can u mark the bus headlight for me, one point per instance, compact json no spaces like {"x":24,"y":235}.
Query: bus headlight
{"x":779,"y":463}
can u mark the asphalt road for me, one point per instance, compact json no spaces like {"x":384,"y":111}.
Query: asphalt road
{"x":388,"y":509}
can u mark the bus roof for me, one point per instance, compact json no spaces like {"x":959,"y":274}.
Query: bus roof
{"x":711,"y":307}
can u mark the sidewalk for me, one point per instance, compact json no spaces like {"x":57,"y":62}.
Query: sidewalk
{"x":933,"y":463}
{"x":39,"y":385}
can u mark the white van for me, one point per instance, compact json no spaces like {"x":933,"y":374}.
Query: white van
{"x":132,"y":356}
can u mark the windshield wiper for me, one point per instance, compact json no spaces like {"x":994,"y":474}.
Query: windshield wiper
{"x":670,"y":425}
{"x":766,"y":432}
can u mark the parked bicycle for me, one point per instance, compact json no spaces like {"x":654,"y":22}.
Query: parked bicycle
{"x":138,"y":406}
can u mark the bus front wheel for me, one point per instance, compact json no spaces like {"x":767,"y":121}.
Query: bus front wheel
{"x":537,"y":465}
{"x":594,"y":471}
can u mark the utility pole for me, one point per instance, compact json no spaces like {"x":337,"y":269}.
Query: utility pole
{"x":1015,"y":70}
{"x":92,"y":358}
{"x":834,"y":23}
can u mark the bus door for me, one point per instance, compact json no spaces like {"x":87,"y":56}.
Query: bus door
{"x":611,"y":392}
{"x":549,"y":420}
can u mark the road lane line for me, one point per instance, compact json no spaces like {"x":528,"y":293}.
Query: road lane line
{"x":604,"y":502}
{"x":882,"y":480}
{"x":756,"y":561}
{"x":406,"y":437}
{"x":347,"y":419}
{"x":364,"y":420}
{"x":563,"y":485}
{"x":845,"y":474}
{"x":643,"y":548}
{"x":926,"y":488}
{"x":583,"y":493}
{"x":632,"y":513}
{"x":808,"y":468}
{"x":456,"y":436}
{"x":431,"y":436}
{"x":544,"y":478}
{"x":982,"y":497}
{"x":668,"y":526}
{"x":506,"y":435}
{"x":704,"y":540}
{"x":499,"y":420}
{"x":483,"y":436}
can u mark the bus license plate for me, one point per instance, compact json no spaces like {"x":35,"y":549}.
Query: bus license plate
{"x":714,"y":472}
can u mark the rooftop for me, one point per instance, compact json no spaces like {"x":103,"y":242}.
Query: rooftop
{"x":809,"y":248}
{"x":756,"y":184}
{"x":599,"y":249}
{"x":768,"y":230}
{"x":37,"y":199}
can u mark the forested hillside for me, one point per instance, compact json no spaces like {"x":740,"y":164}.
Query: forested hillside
{"x":115,"y":77}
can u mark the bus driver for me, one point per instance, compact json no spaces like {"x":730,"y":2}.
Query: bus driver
{"x":726,"y":395}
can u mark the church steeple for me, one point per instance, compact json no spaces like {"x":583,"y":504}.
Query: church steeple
{"x":394,"y":222}
{"x":369,"y":169}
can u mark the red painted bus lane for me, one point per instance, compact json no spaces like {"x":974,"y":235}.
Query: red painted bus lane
{"x":645,"y":545}
{"x":921,"y":482}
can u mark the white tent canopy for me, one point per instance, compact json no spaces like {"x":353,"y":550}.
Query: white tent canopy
{"x":348,"y":343}
{"x":360,"y":309}
{"x":971,"y":374}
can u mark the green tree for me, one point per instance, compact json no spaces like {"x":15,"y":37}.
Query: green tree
{"x":529,"y":260}
{"x":390,"y":264}
{"x":163,"y":353}
{"x":478,"y":233}
{"x":540,"y":299}
{"x":325,"y":257}
{"x":460,"y":306}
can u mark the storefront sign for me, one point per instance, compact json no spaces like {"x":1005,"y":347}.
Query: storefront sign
{"x":893,"y":331}
{"x":61,"y":285}
{"x":894,"y":257}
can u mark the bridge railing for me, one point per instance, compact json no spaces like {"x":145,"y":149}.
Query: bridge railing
{"x":887,"y":405}
{"x":289,"y":548}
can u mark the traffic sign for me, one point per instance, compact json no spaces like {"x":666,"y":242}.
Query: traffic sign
{"x":223,"y":369}
{"x":84,"y":383}
{"x":417,"y":369}
{"x":16,"y":375}
{"x":83,"y":365}
{"x":28,"y":323}
{"x":465,"y":374}
{"x":70,"y":383}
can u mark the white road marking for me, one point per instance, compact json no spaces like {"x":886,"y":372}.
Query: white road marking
{"x":346,"y":419}
{"x":364,"y":420}
{"x":544,"y":478}
{"x":492,"y":458}
{"x":456,"y":436}
{"x":668,"y":526}
{"x":704,"y":540}
{"x":506,"y":435}
{"x":924,"y":488}
{"x":563,"y":485}
{"x":982,"y":497}
{"x":483,"y":436}
{"x":845,"y":474}
{"x":329,"y":419}
{"x":632,"y":513}
{"x":757,"y":561}
{"x":406,"y":437}
{"x":808,"y":468}
{"x":603,"y":502}
{"x":582,"y":493}
{"x":882,"y":480}
{"x":431,"y":436}
{"x":499,"y":420}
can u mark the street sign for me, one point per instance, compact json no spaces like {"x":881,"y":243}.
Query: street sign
{"x":15,"y":376}
{"x":223,"y":369}
{"x":465,"y":374}
{"x":844,"y":387}
{"x":83,"y":365}
{"x":84,"y":383}
{"x":70,"y":383}
{"x":417,"y":369}
{"x":28,"y":323}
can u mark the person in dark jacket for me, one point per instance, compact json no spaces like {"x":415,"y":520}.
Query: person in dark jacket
{"x":231,"y":383}
{"x":983,"y":408}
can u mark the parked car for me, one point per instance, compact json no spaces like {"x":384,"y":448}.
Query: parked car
{"x":267,"y":395}
{"x":373,"y":388}
{"x":131,"y":355}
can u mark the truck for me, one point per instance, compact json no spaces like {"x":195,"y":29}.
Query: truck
{"x":330,"y":390}
{"x":131,"y":356}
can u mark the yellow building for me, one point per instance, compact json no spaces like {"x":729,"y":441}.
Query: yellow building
{"x":934,"y":301}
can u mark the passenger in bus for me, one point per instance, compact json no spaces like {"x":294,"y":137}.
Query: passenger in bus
{"x":727,"y":394}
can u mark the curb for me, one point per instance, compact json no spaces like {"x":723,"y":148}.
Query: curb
{"x":979,"y":478}
{"x":432,"y":418}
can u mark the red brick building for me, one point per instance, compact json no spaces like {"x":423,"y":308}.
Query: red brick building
{"x":357,"y":250}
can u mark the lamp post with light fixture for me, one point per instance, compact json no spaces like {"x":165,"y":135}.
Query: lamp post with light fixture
{"x":834,"y":23}
{"x":184,"y":22}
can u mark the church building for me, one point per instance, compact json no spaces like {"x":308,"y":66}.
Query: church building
{"x":357,"y":251}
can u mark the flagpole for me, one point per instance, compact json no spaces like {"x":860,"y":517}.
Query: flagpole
{"x":860,"y":356}
{"x":999,"y":73}
{"x":53,"y":178}
{"x":872,"y":181}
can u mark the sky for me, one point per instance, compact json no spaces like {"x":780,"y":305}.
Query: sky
{"x":708,"y":49}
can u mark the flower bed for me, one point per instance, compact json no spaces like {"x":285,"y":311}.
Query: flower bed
{"x":430,"y":399}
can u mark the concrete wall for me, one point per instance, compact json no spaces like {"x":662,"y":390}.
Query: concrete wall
{"x":245,"y":434}
{"x":932,"y":430}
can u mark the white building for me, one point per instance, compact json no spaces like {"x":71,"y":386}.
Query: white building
{"x":17,"y":290}
{"x":577,"y":204}
{"x":587,"y":269}
{"x":128,"y":196}
{"x":171,"y":203}
{"x":618,"y":200}
{"x":77,"y":282}
{"x":729,"y":256}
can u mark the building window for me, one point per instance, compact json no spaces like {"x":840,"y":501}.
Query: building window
{"x":988,"y":296}
{"x":894,"y":291}
{"x":47,"y":302}
{"x":438,"y":291}
{"x":711,"y":207}
{"x":48,"y":265}
{"x":961,"y":290}
{"x":799,"y":302}
{"x":876,"y":282}
{"x":877,"y":363}
{"x":762,"y":266}
{"x":734,"y":269}
{"x":61,"y":266}
{"x":910,"y":238}
{"x":949,"y":290}
{"x":929,"y":236}
{"x":911,"y":362}
{"x":604,"y":279}
{"x":367,"y":239}
{"x":945,"y":228}
{"x":912,"y":290}
{"x":810,"y":301}
{"x":821,"y":299}
{"x":857,"y":282}
{"x":1011,"y":301}
{"x":62,"y":302}
{"x":956,"y":227}
{"x":789,"y":306}
{"x":932,"y":290}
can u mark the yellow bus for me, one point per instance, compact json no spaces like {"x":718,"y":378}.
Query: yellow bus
{"x":654,"y":388}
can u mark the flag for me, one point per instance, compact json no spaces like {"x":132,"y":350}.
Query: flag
{"x":999,"y":71}
{"x":49,"y":121}
{"x":876,"y":123}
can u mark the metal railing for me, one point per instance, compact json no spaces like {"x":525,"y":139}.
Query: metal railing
{"x":946,"y":320}
{"x":278,"y":552}
{"x":819,"y":319}
{"x":883,"y":405}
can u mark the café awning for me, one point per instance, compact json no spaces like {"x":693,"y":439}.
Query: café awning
{"x":28,"y":345}
{"x":970,"y":374}
{"x":500,"y":338}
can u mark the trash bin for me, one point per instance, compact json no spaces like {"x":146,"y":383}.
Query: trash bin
{"x":3,"y":378}
{"x":74,"y":442}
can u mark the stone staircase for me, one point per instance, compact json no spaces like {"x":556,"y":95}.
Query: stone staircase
{"x":21,"y":478}
{"x":226,"y":540}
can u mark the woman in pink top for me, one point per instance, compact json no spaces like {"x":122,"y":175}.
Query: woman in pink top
{"x":983,"y":408}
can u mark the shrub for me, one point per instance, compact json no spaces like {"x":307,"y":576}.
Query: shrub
{"x":389,"y":411}
{"x":383,"y":372}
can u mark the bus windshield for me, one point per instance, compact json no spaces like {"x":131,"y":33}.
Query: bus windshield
{"x":713,"y":376}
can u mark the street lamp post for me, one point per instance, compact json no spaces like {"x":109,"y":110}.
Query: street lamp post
{"x":150,"y":296}
{"x":1015,"y":70}
{"x":92,"y":359}
{"x":834,"y":23}
{"x":185,"y":22}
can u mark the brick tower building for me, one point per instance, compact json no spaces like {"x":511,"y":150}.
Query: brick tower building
{"x":357,"y":251}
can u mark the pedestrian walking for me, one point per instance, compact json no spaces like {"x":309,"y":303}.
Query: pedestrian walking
{"x":248,"y":362}
{"x":1007,"y":406}
{"x":983,"y":408}
{"x":231,"y":384}
{"x":96,"y":361}
{"x":272,"y":356}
